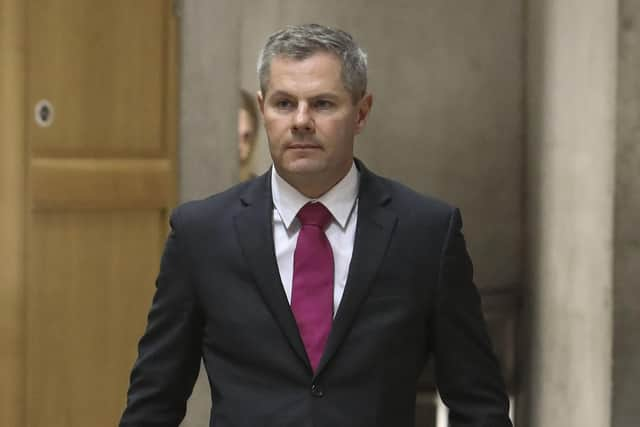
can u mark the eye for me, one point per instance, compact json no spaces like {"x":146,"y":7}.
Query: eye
{"x":283,"y":104}
{"x":323,"y":104}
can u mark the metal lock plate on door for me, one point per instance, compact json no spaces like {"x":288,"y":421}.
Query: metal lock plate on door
{"x":44,"y":113}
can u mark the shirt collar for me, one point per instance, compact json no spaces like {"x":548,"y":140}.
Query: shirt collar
{"x":339,"y":200}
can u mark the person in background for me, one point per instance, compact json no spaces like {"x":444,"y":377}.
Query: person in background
{"x":315,"y":293}
{"x":247,"y":134}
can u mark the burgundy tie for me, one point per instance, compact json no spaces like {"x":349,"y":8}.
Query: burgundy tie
{"x":312,"y":294}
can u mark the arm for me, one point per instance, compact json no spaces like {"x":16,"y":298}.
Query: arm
{"x":169,"y":352}
{"x":467,"y":372}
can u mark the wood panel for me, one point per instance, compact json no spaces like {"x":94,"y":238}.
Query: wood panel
{"x":12,"y":160}
{"x":101,"y":180}
{"x":91,"y":278}
{"x":100,"y":183}
{"x":102,"y":65}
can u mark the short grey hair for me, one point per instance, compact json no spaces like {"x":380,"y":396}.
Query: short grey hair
{"x":302,"y":41}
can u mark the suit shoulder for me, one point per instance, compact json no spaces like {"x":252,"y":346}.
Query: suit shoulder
{"x":196,"y":213}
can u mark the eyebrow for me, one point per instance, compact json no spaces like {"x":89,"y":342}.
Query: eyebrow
{"x":281,"y":93}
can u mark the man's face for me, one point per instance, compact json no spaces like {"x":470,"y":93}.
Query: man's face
{"x":311,"y":121}
{"x":246,"y":135}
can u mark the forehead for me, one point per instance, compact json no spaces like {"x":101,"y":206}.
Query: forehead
{"x":321,"y":71}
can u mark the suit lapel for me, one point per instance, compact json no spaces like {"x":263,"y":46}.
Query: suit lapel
{"x":254,"y":229}
{"x":374,"y":229}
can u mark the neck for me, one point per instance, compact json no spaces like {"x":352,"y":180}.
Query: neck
{"x":311,"y":189}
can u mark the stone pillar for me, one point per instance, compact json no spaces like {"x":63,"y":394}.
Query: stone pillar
{"x":626,"y":343}
{"x":572,"y":57}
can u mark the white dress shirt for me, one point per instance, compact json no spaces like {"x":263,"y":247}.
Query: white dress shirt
{"x":341,"y":201}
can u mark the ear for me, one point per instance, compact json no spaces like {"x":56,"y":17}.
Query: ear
{"x":364,"y":107}
{"x":260,"y":100}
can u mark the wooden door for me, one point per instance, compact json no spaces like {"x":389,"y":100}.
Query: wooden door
{"x":100,"y":180}
{"x":12,"y":171}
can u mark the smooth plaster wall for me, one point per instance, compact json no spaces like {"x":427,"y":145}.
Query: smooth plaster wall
{"x":208,"y":97}
{"x":626,"y":348}
{"x":572,"y":56}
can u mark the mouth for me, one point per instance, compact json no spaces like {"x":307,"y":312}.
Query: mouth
{"x":304,"y":146}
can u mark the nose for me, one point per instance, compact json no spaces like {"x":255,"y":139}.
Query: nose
{"x":302,"y":120}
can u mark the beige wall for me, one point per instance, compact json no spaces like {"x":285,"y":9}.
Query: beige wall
{"x":208,"y":96}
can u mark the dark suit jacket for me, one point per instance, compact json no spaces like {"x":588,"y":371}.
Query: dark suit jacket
{"x":409,"y":296}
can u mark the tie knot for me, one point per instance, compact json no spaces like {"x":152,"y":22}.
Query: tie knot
{"x":314,"y":214}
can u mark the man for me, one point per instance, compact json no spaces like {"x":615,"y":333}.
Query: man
{"x":247,"y":134}
{"x":316,"y":292}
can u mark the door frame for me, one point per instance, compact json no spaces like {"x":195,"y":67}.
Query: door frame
{"x":12,"y":211}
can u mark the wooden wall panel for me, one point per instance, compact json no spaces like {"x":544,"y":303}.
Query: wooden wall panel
{"x":101,"y":180}
{"x":87,"y":307}
{"x":101,"y":184}
{"x":12,"y":167}
{"x":102,"y":65}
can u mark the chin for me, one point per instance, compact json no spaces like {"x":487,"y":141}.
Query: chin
{"x":304,"y":165}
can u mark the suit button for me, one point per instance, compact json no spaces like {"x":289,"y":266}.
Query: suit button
{"x":316,"y":390}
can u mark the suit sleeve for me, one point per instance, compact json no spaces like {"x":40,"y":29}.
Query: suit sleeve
{"x":169,"y":352}
{"x":467,"y":371}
